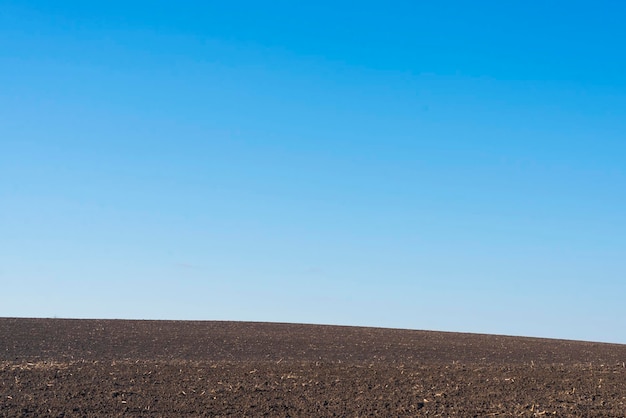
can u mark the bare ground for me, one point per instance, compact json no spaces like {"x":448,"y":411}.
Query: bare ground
{"x":92,"y":368}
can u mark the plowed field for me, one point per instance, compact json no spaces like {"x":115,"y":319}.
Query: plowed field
{"x":93,"y":368}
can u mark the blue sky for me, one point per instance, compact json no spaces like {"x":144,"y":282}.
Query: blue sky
{"x":448,"y":165}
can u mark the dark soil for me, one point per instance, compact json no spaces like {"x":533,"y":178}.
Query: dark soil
{"x":88,"y":368}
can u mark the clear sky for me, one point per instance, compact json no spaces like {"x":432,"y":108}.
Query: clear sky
{"x":444,"y":165}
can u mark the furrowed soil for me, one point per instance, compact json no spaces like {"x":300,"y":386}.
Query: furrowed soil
{"x":93,"y":368}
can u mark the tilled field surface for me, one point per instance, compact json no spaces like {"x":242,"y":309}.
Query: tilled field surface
{"x":89,"y":368}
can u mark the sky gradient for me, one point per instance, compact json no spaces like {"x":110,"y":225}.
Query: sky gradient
{"x":450,"y":165}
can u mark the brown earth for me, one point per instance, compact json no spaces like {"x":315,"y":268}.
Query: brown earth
{"x":89,"y":368}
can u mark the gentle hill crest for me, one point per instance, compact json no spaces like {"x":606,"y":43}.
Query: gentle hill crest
{"x":95,"y":339}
